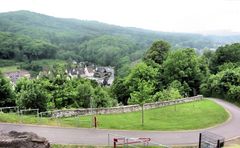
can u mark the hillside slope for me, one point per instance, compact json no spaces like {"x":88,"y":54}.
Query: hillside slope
{"x":58,"y":30}
{"x":93,"y":41}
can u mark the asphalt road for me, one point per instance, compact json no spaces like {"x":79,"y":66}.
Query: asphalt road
{"x":229,"y":129}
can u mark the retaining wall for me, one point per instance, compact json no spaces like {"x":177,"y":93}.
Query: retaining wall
{"x":121,"y":109}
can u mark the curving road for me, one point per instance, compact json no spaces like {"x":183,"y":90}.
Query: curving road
{"x":229,"y":130}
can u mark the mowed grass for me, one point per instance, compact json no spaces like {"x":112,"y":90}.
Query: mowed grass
{"x":188,"y":116}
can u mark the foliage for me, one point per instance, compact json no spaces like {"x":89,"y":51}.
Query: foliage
{"x":84,"y":95}
{"x":141,"y":82}
{"x":141,"y":72}
{"x":55,"y":90}
{"x":6,"y":92}
{"x":226,"y":66}
{"x":143,"y":94}
{"x":111,"y":50}
{"x":178,"y":87}
{"x":184,"y":66}
{"x":31,"y":95}
{"x":224,"y":84}
{"x":22,"y":47}
{"x":234,"y":93}
{"x":102,"y":98}
{"x":167,"y":94}
{"x":27,"y":36}
{"x":229,"y":53}
{"x":120,"y":91}
{"x":158,"y":52}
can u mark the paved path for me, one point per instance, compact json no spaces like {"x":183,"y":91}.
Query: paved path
{"x":229,"y":130}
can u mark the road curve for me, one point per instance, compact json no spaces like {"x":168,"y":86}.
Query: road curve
{"x":59,"y":135}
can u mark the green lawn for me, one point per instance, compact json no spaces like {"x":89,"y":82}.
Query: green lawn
{"x":188,"y":116}
{"x":27,"y":119}
{"x":44,"y":63}
{"x":9,"y":69}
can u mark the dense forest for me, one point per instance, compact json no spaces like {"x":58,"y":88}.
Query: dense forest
{"x":27,"y":36}
{"x":150,"y":66}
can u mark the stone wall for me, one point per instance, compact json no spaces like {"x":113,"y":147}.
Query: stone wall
{"x":121,"y":109}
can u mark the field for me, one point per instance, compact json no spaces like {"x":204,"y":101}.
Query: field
{"x":9,"y":69}
{"x":188,"y":116}
{"x":13,"y":66}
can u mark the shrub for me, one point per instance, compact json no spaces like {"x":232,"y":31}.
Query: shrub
{"x":167,"y":94}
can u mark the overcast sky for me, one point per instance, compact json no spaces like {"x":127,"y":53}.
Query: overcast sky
{"x":161,"y":15}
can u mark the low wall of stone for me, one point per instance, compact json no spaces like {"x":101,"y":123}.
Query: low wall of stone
{"x":121,"y":109}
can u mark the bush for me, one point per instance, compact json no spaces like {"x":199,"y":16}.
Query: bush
{"x":6,"y":92}
{"x":167,"y":94}
{"x":234,"y":93}
{"x":225,"y":84}
{"x":31,"y":95}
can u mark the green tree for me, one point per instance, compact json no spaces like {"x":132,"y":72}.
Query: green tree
{"x":178,"y":86}
{"x":225,"y":54}
{"x":184,"y":66}
{"x":120,"y":91}
{"x":141,"y":72}
{"x":84,"y":95}
{"x":101,"y":98}
{"x":234,"y":93}
{"x":31,"y":95}
{"x":167,"y":94}
{"x":158,"y":52}
{"x":6,"y":92}
{"x":224,"y":84}
{"x":142,"y":95}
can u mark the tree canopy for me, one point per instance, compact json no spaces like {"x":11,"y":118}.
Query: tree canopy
{"x":158,"y":52}
{"x":6,"y":92}
{"x":184,"y":66}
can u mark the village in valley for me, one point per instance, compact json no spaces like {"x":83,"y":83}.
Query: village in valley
{"x":102,"y":75}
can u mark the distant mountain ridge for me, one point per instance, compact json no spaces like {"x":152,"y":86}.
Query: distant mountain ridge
{"x":45,"y":27}
{"x":41,"y":26}
{"x":89,"y":40}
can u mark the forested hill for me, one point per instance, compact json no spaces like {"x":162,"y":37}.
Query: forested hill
{"x":29,"y":35}
{"x":60,"y":31}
